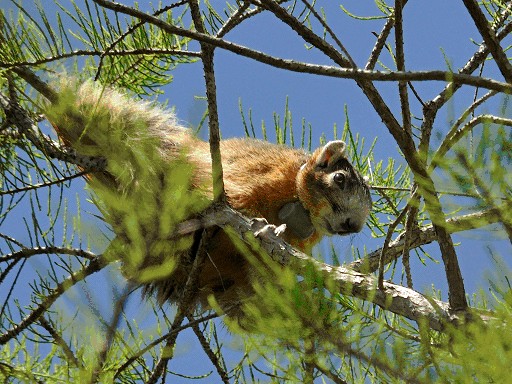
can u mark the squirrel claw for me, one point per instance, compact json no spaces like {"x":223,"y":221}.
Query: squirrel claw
{"x":261,"y":227}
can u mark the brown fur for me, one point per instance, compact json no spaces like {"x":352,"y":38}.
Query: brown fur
{"x":260,"y":178}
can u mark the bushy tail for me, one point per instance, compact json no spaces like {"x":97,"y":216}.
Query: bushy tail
{"x":146,"y":189}
{"x":101,"y":121}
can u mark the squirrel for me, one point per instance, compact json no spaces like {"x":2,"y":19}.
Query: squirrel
{"x":315,"y":195}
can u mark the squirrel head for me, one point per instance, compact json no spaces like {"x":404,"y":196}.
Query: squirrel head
{"x":333,"y":192}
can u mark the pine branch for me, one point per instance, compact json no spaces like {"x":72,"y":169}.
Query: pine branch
{"x":422,"y":236}
{"x":490,"y":39}
{"x":94,"y":266}
{"x":323,"y":70}
{"x":207,"y":54}
{"x":28,"y":252}
{"x":17,"y":116}
{"x":97,"y":53}
{"x":59,"y":340}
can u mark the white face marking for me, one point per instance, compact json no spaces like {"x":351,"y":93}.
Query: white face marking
{"x":336,"y":195}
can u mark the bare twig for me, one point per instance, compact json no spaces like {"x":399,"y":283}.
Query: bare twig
{"x":108,"y":51}
{"x":211,"y":354}
{"x":411,"y":226}
{"x":400,"y":65}
{"x":490,"y":39}
{"x":457,"y":133}
{"x":70,"y":356}
{"x":174,"y":330}
{"x":207,"y":52}
{"x":391,"y":230}
{"x":94,"y":266}
{"x":424,"y":235}
{"x":28,"y":252}
{"x":329,"y":30}
{"x":304,"y":32}
{"x":323,"y":70}
{"x":236,"y":18}
{"x":42,"y":185}
{"x":380,"y":43}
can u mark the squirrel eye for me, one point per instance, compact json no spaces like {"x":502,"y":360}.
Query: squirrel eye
{"x":339,"y":178}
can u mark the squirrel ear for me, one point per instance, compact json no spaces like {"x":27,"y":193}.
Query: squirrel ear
{"x":331,"y":152}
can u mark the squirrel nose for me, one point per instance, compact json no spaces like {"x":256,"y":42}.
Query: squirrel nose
{"x":350,"y":226}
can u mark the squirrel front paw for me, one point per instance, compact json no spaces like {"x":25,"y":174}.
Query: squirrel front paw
{"x":262,"y":228}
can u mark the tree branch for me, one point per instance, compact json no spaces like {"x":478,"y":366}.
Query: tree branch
{"x":20,"y":118}
{"x":70,"y":356}
{"x":28,"y":252}
{"x":177,"y":330}
{"x":400,"y":65}
{"x":422,"y":236}
{"x":323,"y":70}
{"x":397,"y":299}
{"x":101,"y":54}
{"x":209,"y":352}
{"x":42,"y":185}
{"x":306,"y":33}
{"x":207,"y":53}
{"x":486,"y":195}
{"x":457,"y":133}
{"x":94,"y":266}
{"x":381,"y":41}
{"x":490,"y":39}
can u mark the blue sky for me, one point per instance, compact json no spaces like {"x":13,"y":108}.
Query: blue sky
{"x":437,"y":34}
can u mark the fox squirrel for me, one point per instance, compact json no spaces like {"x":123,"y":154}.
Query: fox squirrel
{"x":313,"y":194}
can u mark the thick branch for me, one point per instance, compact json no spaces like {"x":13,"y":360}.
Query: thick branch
{"x":395,"y":298}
